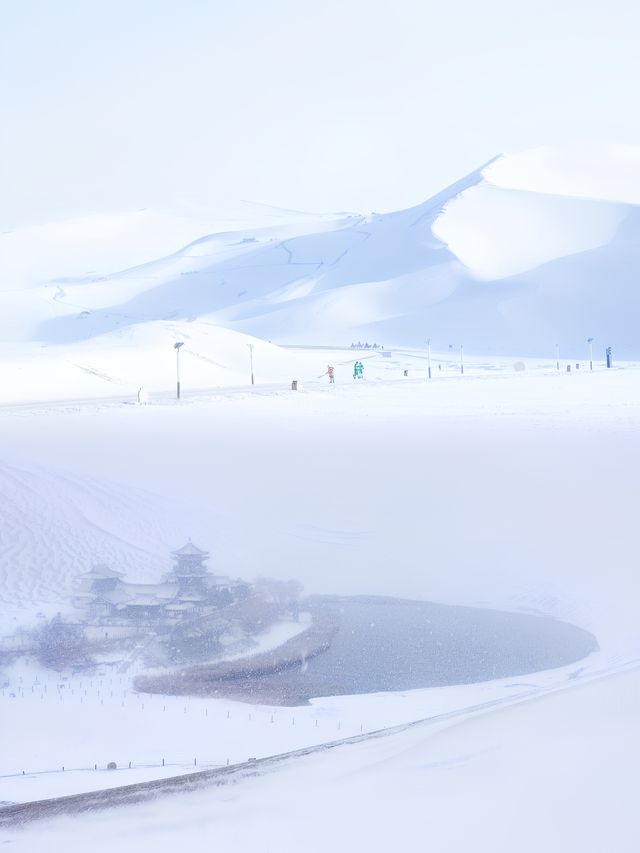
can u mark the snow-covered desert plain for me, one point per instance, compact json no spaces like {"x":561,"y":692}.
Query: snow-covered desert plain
{"x":496,"y":487}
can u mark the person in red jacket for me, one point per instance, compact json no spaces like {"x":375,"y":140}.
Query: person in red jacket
{"x":331,"y":373}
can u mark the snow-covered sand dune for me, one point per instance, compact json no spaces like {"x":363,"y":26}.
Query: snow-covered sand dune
{"x":529,"y":251}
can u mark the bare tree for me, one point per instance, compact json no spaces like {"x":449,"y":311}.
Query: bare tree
{"x":60,"y":644}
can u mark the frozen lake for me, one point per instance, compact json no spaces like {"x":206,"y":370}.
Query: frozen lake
{"x":387,"y":644}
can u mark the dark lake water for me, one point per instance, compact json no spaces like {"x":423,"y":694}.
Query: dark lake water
{"x":392,"y":644}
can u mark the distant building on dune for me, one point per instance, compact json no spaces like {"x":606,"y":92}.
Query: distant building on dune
{"x":189,"y":589}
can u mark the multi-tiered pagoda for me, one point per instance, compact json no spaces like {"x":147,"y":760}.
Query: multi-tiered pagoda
{"x":188,"y":589}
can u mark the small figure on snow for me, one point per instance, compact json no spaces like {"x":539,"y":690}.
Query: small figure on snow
{"x":331,"y":373}
{"x":358,"y":370}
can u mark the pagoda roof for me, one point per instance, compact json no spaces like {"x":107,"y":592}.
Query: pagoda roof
{"x":190,"y":550}
{"x":188,"y":571}
{"x":126,"y":594}
{"x":159,"y":590}
{"x":185,"y":597}
{"x":100,"y":570}
{"x":149,"y":601}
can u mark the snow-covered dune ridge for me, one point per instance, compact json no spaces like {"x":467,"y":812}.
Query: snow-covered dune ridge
{"x":101,"y":244}
{"x":541,"y":205}
{"x":530,"y":250}
{"x":591,"y":171}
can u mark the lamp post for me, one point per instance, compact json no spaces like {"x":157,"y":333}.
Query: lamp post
{"x":177,"y":346}
{"x":461,"y":359}
{"x":429,"y":359}
{"x":251,"y":361}
{"x":590,"y":342}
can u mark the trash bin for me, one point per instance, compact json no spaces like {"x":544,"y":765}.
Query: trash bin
{"x":294,"y":385}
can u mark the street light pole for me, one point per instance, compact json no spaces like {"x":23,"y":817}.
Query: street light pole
{"x":251,"y":360}
{"x":429,"y":359}
{"x":177,"y":346}
{"x":590,"y":342}
{"x":461,"y":359}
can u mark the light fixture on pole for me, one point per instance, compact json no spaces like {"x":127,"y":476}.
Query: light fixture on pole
{"x":251,"y":360}
{"x":429,"y":359}
{"x":177,"y":346}
{"x":461,"y":359}
{"x":590,"y":342}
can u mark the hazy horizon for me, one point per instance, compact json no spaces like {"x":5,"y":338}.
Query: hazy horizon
{"x":345,"y":106}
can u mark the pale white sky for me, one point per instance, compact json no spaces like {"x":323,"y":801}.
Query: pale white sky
{"x":324,"y":105}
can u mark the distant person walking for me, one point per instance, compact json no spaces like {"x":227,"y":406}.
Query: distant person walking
{"x":331,"y":373}
{"x":358,"y":370}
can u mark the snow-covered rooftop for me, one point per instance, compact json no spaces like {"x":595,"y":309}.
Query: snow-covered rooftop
{"x":102,"y":572}
{"x":190,"y":550}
